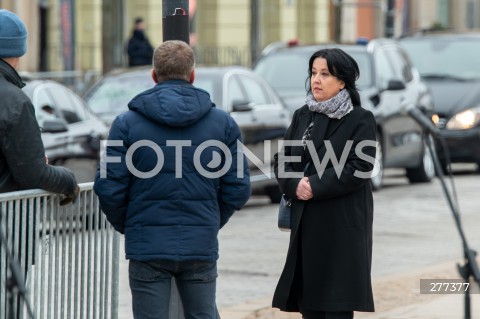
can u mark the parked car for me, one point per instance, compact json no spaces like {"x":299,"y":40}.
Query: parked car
{"x":387,"y":83}
{"x":246,"y":96}
{"x":449,"y":62}
{"x":71,"y":133}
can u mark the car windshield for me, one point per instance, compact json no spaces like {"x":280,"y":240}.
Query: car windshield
{"x":441,"y":58}
{"x":208,"y":82}
{"x":113,"y":93}
{"x":287,"y":72}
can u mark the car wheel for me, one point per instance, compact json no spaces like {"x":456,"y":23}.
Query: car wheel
{"x":426,"y":170}
{"x":377,"y":179}
{"x":83,"y":168}
{"x":274,"y":193}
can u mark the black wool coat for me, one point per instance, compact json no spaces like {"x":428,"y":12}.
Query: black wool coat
{"x":328,"y":262}
{"x":139,"y":49}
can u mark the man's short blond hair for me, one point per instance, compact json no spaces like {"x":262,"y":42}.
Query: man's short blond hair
{"x":173,"y":60}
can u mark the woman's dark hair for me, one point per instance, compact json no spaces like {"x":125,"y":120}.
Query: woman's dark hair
{"x":342,"y":66}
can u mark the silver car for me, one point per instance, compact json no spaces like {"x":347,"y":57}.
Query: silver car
{"x":71,"y":133}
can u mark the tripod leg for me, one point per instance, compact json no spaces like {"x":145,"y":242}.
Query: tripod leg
{"x":470,"y":268}
{"x":467,"y":305}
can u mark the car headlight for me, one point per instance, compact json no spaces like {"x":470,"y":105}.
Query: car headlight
{"x":465,"y":120}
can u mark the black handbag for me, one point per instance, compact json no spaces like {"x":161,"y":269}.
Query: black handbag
{"x":285,"y":214}
{"x":285,"y":210}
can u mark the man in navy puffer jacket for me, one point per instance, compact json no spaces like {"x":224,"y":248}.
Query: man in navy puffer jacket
{"x":170,"y":178}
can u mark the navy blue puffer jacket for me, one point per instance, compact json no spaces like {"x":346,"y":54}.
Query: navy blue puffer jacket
{"x":170,"y":177}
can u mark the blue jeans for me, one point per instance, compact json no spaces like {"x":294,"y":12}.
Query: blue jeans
{"x":150,"y":283}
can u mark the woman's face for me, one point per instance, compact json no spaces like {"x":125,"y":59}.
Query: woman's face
{"x":323,"y":84}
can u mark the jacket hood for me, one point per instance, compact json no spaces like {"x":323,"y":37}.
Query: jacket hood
{"x":174,"y":103}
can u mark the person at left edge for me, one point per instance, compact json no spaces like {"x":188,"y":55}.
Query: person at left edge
{"x":23,"y":164}
{"x":171,"y":217}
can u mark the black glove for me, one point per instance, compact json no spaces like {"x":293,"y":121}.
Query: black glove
{"x":70,"y":198}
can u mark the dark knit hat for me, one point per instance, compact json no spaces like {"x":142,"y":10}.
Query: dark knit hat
{"x":13,"y":35}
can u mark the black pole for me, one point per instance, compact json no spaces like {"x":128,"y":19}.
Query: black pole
{"x":254,"y":30}
{"x":175,"y":20}
{"x":43,"y":36}
{"x":390,"y":19}
{"x":337,"y":20}
{"x":67,"y":28}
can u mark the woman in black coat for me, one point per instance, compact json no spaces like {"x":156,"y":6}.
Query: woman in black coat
{"x":332,"y":151}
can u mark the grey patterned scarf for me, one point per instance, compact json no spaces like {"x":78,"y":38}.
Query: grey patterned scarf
{"x":335,"y":107}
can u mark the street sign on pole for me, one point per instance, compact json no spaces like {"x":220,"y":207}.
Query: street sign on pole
{"x":175,"y":20}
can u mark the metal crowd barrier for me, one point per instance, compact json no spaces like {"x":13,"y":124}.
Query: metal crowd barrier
{"x":68,"y":256}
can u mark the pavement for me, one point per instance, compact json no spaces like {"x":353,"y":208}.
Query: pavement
{"x":445,"y":307}
{"x":414,"y":238}
{"x":396,"y":297}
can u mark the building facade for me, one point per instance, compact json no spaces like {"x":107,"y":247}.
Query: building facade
{"x":222,"y":31}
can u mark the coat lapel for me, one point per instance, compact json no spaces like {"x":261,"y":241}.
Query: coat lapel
{"x":323,"y":126}
{"x":332,"y":127}
{"x":323,"y":129}
{"x":304,"y":120}
{"x":321,"y":123}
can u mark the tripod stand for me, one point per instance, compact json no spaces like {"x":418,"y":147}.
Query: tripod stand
{"x":15,"y":283}
{"x":470,"y":268}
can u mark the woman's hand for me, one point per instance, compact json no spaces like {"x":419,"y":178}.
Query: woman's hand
{"x":304,"y":191}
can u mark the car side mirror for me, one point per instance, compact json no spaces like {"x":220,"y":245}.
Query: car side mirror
{"x":241,"y":106}
{"x":395,"y":85}
{"x":54,"y":126}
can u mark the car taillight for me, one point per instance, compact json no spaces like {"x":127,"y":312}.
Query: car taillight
{"x":292,"y":43}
